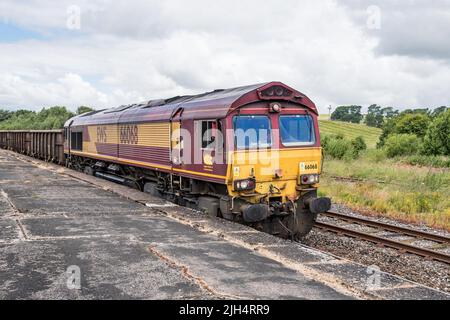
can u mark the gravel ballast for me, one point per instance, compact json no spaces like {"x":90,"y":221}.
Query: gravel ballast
{"x":418,"y":269}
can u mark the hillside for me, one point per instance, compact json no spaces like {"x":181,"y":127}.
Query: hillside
{"x":350,"y":130}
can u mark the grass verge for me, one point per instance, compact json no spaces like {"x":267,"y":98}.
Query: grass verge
{"x":390,"y":188}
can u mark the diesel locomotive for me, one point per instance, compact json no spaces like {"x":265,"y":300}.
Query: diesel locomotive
{"x":250,"y":154}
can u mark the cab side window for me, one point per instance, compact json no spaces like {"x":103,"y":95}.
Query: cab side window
{"x":76,"y":141}
{"x":206,"y":134}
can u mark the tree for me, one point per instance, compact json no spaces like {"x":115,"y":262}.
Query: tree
{"x":5,"y":114}
{"x":347,"y":114}
{"x":23,"y":112}
{"x":387,"y":129}
{"x":413,"y":123}
{"x":52,"y":118}
{"x":375,"y":117}
{"x":389,"y":112}
{"x":84,"y":109}
{"x":407,"y":122}
{"x":437,"y":137}
{"x":436,"y":112}
{"x":422,"y":111}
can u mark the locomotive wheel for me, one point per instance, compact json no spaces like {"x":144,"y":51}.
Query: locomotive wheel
{"x":89,"y":171}
{"x":150,"y":187}
{"x":304,"y":219}
{"x":293,"y":227}
{"x":209,"y":205}
{"x":302,"y":224}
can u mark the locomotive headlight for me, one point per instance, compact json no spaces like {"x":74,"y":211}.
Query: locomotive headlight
{"x":270,"y":92}
{"x":279,"y":91}
{"x":275,"y":107}
{"x":243,"y":185}
{"x":309,"y":179}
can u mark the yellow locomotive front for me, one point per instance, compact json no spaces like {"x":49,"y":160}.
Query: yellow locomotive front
{"x":274,"y":166}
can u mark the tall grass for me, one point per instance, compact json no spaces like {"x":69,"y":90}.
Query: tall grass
{"x":417,"y":194}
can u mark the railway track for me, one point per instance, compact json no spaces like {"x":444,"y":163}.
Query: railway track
{"x":377,"y":227}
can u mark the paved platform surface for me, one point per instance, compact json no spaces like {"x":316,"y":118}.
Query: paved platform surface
{"x":130,"y":245}
{"x":124,"y":250}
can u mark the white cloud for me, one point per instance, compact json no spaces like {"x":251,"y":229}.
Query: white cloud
{"x":416,"y":28}
{"x":70,"y":90}
{"x":132,"y":51}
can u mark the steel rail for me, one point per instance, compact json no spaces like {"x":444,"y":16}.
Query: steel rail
{"x":389,"y":227}
{"x":403,"y":247}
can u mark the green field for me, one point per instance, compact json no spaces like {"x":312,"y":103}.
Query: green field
{"x":350,"y":130}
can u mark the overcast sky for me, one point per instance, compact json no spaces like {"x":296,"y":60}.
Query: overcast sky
{"x":394,"y":53}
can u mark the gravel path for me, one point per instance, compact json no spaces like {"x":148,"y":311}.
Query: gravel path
{"x":431,"y":273}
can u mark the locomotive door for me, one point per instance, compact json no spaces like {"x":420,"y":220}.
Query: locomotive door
{"x":67,"y":137}
{"x":176,"y":140}
{"x":176,"y":143}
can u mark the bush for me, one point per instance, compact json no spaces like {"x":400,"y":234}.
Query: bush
{"x":376,"y":155}
{"x":359,"y":144}
{"x":324,"y":140}
{"x":338,"y":147}
{"x":401,"y":145}
{"x":408,"y":122}
{"x":415,"y":123}
{"x":428,"y":161}
{"x":339,"y":136}
{"x":437,"y":137}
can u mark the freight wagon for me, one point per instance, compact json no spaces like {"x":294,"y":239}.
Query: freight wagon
{"x":42,"y":144}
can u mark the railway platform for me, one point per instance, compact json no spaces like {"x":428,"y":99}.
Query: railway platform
{"x":66,"y":235}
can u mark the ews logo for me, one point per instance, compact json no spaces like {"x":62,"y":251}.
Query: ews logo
{"x":101,"y":135}
{"x":129,"y":134}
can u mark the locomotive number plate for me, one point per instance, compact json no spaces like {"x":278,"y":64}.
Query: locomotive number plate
{"x":309,"y":167}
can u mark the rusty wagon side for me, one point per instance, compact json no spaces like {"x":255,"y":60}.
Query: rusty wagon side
{"x":42,"y":144}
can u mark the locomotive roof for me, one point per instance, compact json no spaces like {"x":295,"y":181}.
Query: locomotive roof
{"x":215,"y":104}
